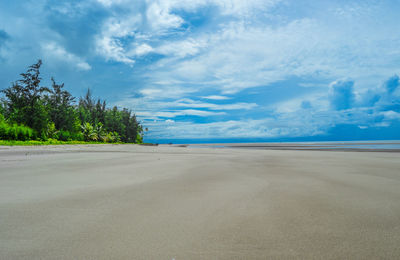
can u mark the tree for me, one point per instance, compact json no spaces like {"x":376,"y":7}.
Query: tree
{"x":30,"y":110}
{"x":100,"y":111}
{"x":131,"y":126}
{"x":85,"y":108}
{"x":24,"y":100}
{"x":90,"y":110}
{"x":113,"y":119}
{"x":61,"y":109}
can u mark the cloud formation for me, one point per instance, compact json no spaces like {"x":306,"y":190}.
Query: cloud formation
{"x":341,"y":94}
{"x":53,"y":51}
{"x":392,"y":84}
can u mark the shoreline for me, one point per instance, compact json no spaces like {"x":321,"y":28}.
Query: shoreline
{"x":343,"y":146}
{"x":390,"y":146}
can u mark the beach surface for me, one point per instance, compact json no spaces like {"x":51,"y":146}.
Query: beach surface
{"x":164,"y":202}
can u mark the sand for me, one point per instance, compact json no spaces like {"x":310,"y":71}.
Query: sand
{"x":135,"y":202}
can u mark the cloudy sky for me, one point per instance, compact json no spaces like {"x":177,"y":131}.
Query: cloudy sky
{"x":220,"y":68}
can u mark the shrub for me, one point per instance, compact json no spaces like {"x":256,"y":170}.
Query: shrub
{"x":78,"y":136}
{"x":139,"y":139}
{"x":64,"y":136}
{"x":51,"y":131}
{"x":21,"y":133}
{"x":116,"y":137}
{"x":3,"y":130}
{"x":111,"y":137}
{"x":15,"y":132}
{"x":89,"y":132}
{"x":12,"y":132}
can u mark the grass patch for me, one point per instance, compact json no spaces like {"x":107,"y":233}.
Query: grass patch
{"x":48,"y":142}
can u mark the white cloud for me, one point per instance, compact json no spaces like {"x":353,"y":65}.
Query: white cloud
{"x":181,"y":49}
{"x":112,"y":49}
{"x":52,"y":50}
{"x":318,"y":102}
{"x":237,"y":8}
{"x":160,"y":18}
{"x":268,"y":128}
{"x":158,"y":93}
{"x":109,"y":3}
{"x":156,"y":107}
{"x":240,"y":55}
{"x":391,"y":115}
{"x":197,"y":104}
{"x":216,"y":97}
{"x":141,"y":50}
{"x":121,"y":26}
{"x":171,"y":114}
{"x":109,"y":43}
{"x":289,"y":118}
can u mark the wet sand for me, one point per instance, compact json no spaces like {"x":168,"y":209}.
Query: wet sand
{"x":136,"y":202}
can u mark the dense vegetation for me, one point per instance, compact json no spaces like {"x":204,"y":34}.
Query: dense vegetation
{"x":30,"y":111}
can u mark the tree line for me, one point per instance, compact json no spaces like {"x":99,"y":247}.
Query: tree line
{"x":30,"y":111}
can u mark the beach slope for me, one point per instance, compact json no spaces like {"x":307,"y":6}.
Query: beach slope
{"x":135,"y":202}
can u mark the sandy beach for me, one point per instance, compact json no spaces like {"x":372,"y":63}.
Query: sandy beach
{"x":162,"y":202}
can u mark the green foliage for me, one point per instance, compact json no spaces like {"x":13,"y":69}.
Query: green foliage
{"x":39,"y":142}
{"x":3,"y":132}
{"x":123,"y":121}
{"x":100,"y":132}
{"x":24,"y":100}
{"x":113,"y":119}
{"x":61,"y":109}
{"x":2,"y":108}
{"x":90,"y":110}
{"x":64,"y":136}
{"x":139,"y":139}
{"x":30,"y":112}
{"x":111,"y":137}
{"x":51,"y":131}
{"x":15,"y":132}
{"x":89,"y":133}
{"x":78,"y":137}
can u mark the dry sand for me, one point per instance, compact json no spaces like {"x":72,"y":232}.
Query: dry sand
{"x":133,"y":202}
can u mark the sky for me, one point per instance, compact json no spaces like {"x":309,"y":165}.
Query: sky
{"x":220,"y":69}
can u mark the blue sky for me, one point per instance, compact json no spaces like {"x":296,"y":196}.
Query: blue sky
{"x":269,"y":69}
